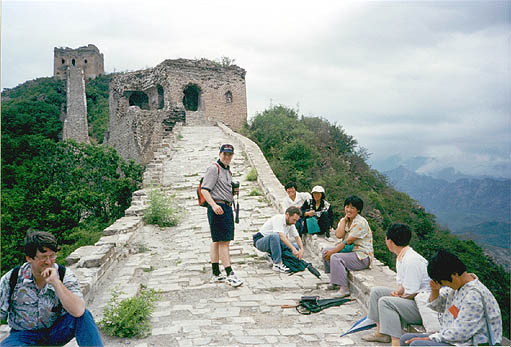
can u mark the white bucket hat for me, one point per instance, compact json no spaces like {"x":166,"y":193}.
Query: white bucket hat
{"x":318,"y":189}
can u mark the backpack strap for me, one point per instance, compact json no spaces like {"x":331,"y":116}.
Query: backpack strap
{"x":12,"y":283}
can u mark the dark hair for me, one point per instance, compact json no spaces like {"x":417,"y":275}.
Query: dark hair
{"x":291,"y":184}
{"x":354,"y":201}
{"x":400,"y":234}
{"x":292,"y":210}
{"x":37,"y":240}
{"x":443,"y":265}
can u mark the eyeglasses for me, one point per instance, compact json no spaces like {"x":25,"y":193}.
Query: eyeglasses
{"x":46,"y":257}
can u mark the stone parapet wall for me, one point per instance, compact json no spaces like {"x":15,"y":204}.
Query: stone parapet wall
{"x":75,"y":120}
{"x":361,"y":282}
{"x":91,"y":264}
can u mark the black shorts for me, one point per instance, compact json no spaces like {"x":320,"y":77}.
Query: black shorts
{"x":221,"y":226}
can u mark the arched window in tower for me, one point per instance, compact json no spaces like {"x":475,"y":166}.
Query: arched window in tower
{"x":137,"y":98}
{"x":73,"y":62}
{"x":228,"y":97}
{"x":85,"y":61}
{"x":191,"y":97}
{"x":161,"y":97}
{"x":63,"y":61}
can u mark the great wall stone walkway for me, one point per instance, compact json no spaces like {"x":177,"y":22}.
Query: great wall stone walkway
{"x":193,"y":311}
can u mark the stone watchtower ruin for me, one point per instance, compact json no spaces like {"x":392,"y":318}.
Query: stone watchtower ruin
{"x":88,"y":58}
{"x":145,"y":105}
{"x":76,"y":66}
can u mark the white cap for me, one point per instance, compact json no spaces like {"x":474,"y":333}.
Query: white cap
{"x":318,"y":189}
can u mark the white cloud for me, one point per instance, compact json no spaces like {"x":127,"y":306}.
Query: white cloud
{"x":409,"y":78}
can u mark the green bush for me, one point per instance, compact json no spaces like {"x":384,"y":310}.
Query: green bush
{"x":252,"y":175}
{"x":161,"y":210}
{"x":129,"y":317}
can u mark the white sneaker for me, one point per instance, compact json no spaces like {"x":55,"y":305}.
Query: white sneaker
{"x":233,"y":281}
{"x":219,"y":278}
{"x":280,"y":268}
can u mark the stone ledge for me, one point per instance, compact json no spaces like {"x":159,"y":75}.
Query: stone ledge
{"x":361,"y":282}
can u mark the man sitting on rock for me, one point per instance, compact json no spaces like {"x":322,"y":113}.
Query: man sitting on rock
{"x":389,"y":308}
{"x":43,"y":308}
{"x":275,"y":235}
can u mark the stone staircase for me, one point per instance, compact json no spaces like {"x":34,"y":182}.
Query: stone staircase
{"x":175,"y":261}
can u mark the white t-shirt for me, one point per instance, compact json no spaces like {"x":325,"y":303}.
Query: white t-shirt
{"x":412,"y":272}
{"x":297,"y":202}
{"x":277,"y":224}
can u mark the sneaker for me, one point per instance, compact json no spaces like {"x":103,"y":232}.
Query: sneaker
{"x":219,"y":278}
{"x":343,"y":292}
{"x":376,"y":338}
{"x":233,"y":281}
{"x":280,"y":268}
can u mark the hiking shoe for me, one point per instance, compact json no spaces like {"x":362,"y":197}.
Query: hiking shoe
{"x":372,"y":337}
{"x":343,"y":292}
{"x":280,"y":268}
{"x":233,"y":281}
{"x":219,"y":278}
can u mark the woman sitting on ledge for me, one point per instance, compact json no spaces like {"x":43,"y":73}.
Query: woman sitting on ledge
{"x":354,"y":230}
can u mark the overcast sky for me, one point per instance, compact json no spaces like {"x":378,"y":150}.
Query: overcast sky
{"x":415,"y":78}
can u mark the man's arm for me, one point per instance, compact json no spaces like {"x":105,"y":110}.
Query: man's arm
{"x":216,"y":208}
{"x":288,"y":243}
{"x":70,"y":301}
{"x":300,"y":246}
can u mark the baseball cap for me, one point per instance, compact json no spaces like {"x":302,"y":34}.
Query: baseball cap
{"x":227,"y":148}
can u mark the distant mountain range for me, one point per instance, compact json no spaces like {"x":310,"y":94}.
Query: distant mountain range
{"x":473,"y":208}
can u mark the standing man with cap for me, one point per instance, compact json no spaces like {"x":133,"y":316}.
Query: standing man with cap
{"x":218,"y":191}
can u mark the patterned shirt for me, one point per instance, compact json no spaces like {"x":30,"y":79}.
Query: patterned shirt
{"x":364,"y":243}
{"x":462,"y":317}
{"x":31,"y":307}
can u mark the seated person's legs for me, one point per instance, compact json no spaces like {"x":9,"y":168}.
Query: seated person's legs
{"x":326,"y":263}
{"x":374,"y":297}
{"x":24,"y":338}
{"x":271,"y":244}
{"x":83,"y":328}
{"x":395,"y":310}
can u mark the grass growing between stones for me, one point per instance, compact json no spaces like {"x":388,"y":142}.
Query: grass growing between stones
{"x":161,"y":210}
{"x":252,"y":175}
{"x":129,"y":317}
{"x":255,"y":192}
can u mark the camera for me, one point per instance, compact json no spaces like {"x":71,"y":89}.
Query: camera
{"x":235,"y":185}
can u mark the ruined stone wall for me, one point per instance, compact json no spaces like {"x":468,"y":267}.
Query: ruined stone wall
{"x":88,"y":58}
{"x":75,"y":121}
{"x":147,"y":103}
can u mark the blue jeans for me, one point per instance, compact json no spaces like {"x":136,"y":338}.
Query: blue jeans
{"x":61,"y":332}
{"x":273,"y":245}
{"x":408,"y":336}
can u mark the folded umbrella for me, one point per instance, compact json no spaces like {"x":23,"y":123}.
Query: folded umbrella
{"x":363,"y":324}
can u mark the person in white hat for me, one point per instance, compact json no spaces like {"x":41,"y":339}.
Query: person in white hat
{"x":321,"y":209}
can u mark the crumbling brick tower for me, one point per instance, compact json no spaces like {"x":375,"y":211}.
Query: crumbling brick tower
{"x":145,"y":104}
{"x":88,"y":58}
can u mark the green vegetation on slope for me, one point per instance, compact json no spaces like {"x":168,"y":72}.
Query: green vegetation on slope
{"x":312,"y":151}
{"x":71,"y":190}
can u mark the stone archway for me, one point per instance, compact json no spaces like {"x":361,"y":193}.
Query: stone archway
{"x":191,"y":97}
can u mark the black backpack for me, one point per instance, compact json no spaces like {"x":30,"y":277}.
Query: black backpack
{"x":14,"y":279}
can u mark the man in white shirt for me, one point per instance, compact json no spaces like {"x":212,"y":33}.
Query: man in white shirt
{"x":389,"y":308}
{"x":293,"y":197}
{"x":276,"y":234}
